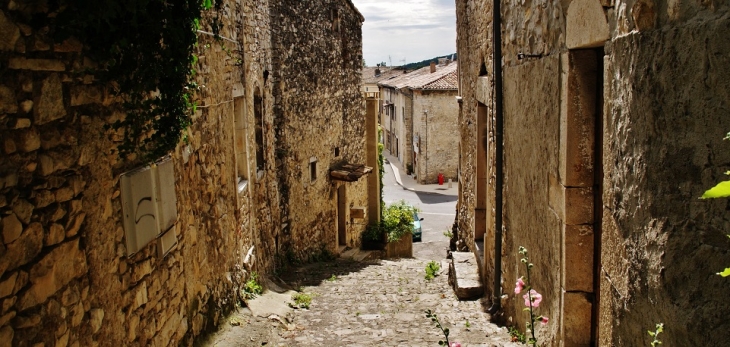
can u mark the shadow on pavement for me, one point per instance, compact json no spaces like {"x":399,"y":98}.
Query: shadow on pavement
{"x":314,"y":274}
{"x":435,"y":198}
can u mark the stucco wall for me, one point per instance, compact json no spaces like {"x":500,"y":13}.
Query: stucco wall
{"x":435,"y":122}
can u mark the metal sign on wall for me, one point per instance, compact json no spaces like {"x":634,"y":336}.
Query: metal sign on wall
{"x":149,"y":206}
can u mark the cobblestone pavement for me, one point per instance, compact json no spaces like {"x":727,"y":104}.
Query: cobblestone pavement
{"x":376,"y":303}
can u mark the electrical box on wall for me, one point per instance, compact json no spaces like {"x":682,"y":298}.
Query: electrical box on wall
{"x":149,"y":205}
{"x":357,"y":212}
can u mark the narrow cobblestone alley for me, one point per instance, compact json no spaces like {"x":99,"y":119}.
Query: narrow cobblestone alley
{"x":375,"y":303}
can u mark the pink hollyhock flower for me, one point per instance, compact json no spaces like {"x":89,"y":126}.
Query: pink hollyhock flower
{"x":543,"y":320}
{"x":455,"y":344}
{"x":519,"y":286}
{"x":536,"y":298}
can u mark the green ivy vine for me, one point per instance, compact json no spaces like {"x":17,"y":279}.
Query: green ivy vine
{"x":145,"y":50}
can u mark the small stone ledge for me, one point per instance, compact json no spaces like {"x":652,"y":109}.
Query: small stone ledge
{"x":464,"y":276}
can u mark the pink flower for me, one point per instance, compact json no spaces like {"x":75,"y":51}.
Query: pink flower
{"x":519,"y":286}
{"x":455,"y":344}
{"x":543,"y":320}
{"x":536,"y":298}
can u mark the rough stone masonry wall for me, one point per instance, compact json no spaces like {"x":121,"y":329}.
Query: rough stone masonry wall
{"x":318,"y":110}
{"x":65,"y":278}
{"x":665,"y":116}
{"x":664,"y":95}
{"x":439,"y":151}
{"x":475,"y":53}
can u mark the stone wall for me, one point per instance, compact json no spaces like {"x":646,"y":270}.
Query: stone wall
{"x":65,"y":274}
{"x":617,"y":235}
{"x":437,"y":131}
{"x":664,"y":121}
{"x":320,"y":118}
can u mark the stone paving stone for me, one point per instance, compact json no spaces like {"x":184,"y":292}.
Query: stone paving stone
{"x":382,"y":303}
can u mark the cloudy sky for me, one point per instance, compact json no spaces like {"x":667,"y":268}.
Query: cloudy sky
{"x":413,"y":30}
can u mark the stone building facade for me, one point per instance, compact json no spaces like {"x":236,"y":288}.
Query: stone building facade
{"x":421,"y":113}
{"x":613,"y":116}
{"x":241,"y":193}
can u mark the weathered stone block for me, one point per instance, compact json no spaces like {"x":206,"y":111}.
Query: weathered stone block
{"x":77,"y":314}
{"x":12,"y":228}
{"x":6,"y":336}
{"x":578,"y":258}
{"x":26,"y":106}
{"x":576,"y":319}
{"x":5,"y":319}
{"x":572,"y":205}
{"x":10,"y":146}
{"x":56,"y":234}
{"x":8,"y":303}
{"x":8,"y":103}
{"x":28,"y":140}
{"x":577,"y":118}
{"x":57,"y":214}
{"x":464,"y":275}
{"x":9,"y":180}
{"x":49,"y":102}
{"x":22,"y":123}
{"x":36,"y":64}
{"x":23,"y":210}
{"x":46,"y":164}
{"x":74,"y":224}
{"x":585,"y":24}
{"x":63,"y":264}
{"x":97,"y":318}
{"x":43,"y":198}
{"x":64,"y":194}
{"x":140,"y":295}
{"x":6,"y":286}
{"x":70,"y":296}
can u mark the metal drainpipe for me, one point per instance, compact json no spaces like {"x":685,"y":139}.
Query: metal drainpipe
{"x":499,"y":129}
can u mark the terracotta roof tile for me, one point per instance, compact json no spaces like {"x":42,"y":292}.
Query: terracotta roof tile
{"x":445,"y":77}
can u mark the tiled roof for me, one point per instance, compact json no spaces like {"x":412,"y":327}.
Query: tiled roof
{"x":445,"y":77}
{"x":368,"y":74}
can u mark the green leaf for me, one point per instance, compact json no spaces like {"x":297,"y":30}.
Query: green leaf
{"x":725,"y":273}
{"x":721,"y":190}
{"x":207,"y":4}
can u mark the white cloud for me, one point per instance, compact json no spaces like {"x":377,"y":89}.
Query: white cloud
{"x":413,"y":30}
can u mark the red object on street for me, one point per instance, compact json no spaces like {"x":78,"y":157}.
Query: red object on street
{"x":441,"y":179}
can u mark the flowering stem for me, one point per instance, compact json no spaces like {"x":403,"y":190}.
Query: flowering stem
{"x":529,"y":296}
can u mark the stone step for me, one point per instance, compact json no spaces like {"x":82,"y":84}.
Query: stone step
{"x":464,"y":276}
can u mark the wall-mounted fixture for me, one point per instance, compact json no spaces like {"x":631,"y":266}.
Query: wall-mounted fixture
{"x":149,"y":206}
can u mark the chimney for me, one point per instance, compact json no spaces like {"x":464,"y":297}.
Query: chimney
{"x":442,"y":61}
{"x":448,"y":61}
{"x":433,"y":67}
{"x":377,"y":72}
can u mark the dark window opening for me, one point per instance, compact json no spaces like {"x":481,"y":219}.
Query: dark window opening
{"x":313,"y":171}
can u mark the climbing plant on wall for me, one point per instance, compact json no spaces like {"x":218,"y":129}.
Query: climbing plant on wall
{"x":145,"y":50}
